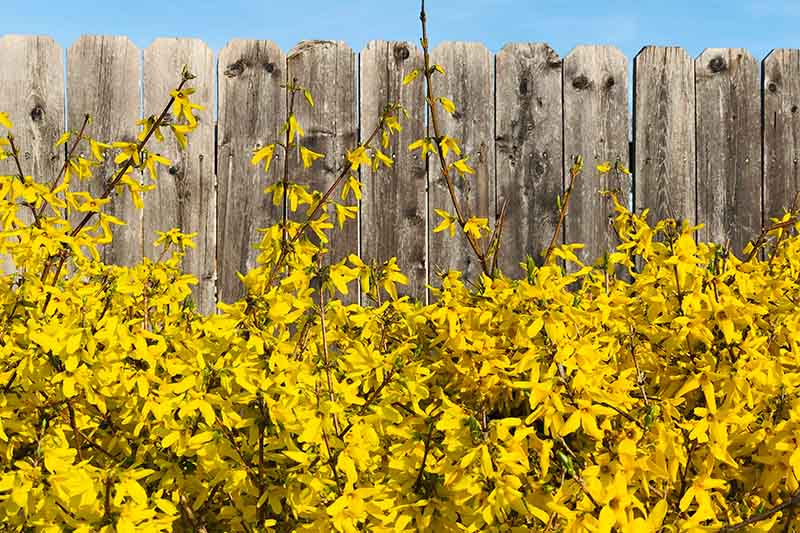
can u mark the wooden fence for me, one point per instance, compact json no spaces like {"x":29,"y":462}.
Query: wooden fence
{"x":715,"y":139}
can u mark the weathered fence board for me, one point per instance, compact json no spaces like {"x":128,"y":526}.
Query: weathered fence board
{"x":251,"y":111}
{"x":469,"y":83}
{"x":781,"y":86}
{"x":185,"y":196}
{"x":728,"y":146}
{"x":596,"y":127}
{"x":103,"y":74}
{"x":714,"y":140}
{"x":32,"y":93}
{"x":664,"y":132}
{"x":386,"y":233}
{"x":529,"y":150}
{"x":328,"y":70}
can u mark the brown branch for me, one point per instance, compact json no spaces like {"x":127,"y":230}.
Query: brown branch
{"x":445,"y":170}
{"x":110,"y":187}
{"x":421,"y":473}
{"x":303,"y":227}
{"x":326,"y":359}
{"x":21,"y":174}
{"x":788,"y":504}
{"x":63,"y":170}
{"x":496,"y":237}
{"x":574,"y":171}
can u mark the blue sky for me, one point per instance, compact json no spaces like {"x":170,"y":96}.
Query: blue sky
{"x":758,"y":26}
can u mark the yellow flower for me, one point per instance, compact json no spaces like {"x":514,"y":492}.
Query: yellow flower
{"x":147,"y":124}
{"x":182,"y":106}
{"x":309,"y":156}
{"x":447,"y":144}
{"x":448,"y":104}
{"x":352,"y":184}
{"x":448,"y":223}
{"x":358,"y":157}
{"x":462,"y":167}
{"x":411,"y":76}
{"x":474,"y":226}
{"x":425,"y":144}
{"x":263,"y":154}
{"x":5,"y":121}
{"x":604,"y":167}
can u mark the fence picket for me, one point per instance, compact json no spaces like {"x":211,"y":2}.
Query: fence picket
{"x":185,"y":196}
{"x":386,"y":233}
{"x":103,"y":74}
{"x":469,"y":83}
{"x":664,"y":133}
{"x":529,"y":150}
{"x":728,"y":147}
{"x":251,"y":110}
{"x":596,"y":127}
{"x":781,"y":86}
{"x":32,"y":93}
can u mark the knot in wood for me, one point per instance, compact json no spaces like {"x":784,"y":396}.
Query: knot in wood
{"x":523,"y":86}
{"x":772,"y":87}
{"x":610,"y":82}
{"x":37,"y":113}
{"x":581,"y":82}
{"x":401,"y":52}
{"x":717,"y":64}
{"x":235,"y":69}
{"x":269,"y":67}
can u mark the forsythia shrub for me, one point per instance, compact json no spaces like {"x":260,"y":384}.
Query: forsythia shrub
{"x":557,"y":402}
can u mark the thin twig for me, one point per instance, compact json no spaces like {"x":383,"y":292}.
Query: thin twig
{"x":788,"y":504}
{"x":574,"y":171}
{"x":110,"y":187}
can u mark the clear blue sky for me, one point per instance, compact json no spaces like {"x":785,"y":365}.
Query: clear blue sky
{"x":756,"y":25}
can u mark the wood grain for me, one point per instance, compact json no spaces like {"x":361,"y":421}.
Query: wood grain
{"x":400,"y":230}
{"x":252,"y":108}
{"x":103,"y":75}
{"x":185,"y":197}
{"x":595,"y":127}
{"x":728,"y":146}
{"x":529,"y":150}
{"x":781,"y":86}
{"x":664,"y":130}
{"x":469,"y":83}
{"x":32,"y":93}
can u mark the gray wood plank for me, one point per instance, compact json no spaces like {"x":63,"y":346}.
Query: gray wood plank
{"x":595,"y":127}
{"x":252,"y":108}
{"x":32,"y":93}
{"x":469,"y":83}
{"x":186,"y":191}
{"x":328,"y":70}
{"x":529,"y":150}
{"x":103,"y":75}
{"x":393,"y":208}
{"x":781,"y":131}
{"x":728,"y":146}
{"x":664,"y":131}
